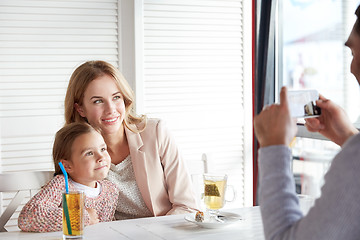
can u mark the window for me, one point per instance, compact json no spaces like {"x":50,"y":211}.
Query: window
{"x":311,"y":55}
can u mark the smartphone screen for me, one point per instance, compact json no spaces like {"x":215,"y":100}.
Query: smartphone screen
{"x":302,"y":103}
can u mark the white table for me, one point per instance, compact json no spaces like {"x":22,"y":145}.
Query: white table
{"x":159,"y":228}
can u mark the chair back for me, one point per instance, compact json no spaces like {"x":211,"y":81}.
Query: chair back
{"x":20,"y":183}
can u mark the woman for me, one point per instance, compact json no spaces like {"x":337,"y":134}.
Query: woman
{"x":146,"y":164}
{"x":337,"y":212}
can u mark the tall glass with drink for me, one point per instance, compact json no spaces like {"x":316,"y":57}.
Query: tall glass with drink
{"x":73,"y":215}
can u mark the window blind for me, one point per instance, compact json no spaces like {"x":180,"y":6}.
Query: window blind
{"x":41,"y":43}
{"x":196,"y":76}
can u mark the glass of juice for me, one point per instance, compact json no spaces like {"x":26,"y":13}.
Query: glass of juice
{"x":73,"y":214}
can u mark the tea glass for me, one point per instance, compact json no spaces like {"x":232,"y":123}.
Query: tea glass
{"x":73,"y":214}
{"x":215,"y":186}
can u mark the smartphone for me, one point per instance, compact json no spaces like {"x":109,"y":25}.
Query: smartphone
{"x":302,"y":103}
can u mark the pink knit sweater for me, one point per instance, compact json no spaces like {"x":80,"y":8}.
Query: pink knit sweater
{"x":43,"y":213}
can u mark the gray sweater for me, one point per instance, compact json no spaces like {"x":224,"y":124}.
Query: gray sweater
{"x":335,"y":215}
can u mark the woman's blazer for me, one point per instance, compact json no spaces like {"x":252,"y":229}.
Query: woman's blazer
{"x":160,"y":171}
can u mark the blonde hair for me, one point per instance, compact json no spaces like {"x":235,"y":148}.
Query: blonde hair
{"x":81,"y":78}
{"x":64,"y":140}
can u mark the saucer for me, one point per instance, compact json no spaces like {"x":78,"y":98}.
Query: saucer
{"x":226,"y":218}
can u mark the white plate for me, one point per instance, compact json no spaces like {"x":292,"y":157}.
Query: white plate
{"x":227,"y":217}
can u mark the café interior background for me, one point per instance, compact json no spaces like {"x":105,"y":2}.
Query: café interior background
{"x":188,"y":61}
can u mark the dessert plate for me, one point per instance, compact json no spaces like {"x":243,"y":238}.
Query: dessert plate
{"x":226,"y":219}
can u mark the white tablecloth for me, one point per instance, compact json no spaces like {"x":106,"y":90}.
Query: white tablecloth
{"x":159,"y":228}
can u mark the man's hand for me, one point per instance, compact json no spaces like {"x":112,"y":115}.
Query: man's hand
{"x":333,"y":122}
{"x":274,"y":125}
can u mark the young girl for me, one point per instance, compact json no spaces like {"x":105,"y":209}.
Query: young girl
{"x":83,"y":152}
